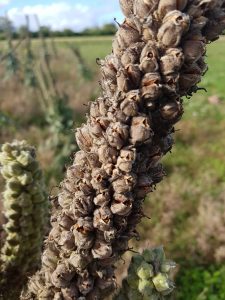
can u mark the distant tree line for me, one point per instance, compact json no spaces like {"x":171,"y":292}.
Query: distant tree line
{"x":5,"y":23}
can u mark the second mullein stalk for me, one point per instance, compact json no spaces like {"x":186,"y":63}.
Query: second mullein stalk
{"x":25,"y":208}
{"x":158,"y":57}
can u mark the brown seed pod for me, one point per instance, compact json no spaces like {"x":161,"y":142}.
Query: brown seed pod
{"x":83,"y":137}
{"x":99,"y":179}
{"x":126,"y":160}
{"x":199,"y":23}
{"x":131,"y":55}
{"x":66,"y":241}
{"x":62,"y":276}
{"x":143,"y":8}
{"x":102,"y":218}
{"x":171,"y":110}
{"x":101,"y":249}
{"x":193,"y":50}
{"x":171,"y":81}
{"x":166,"y":6}
{"x":134,"y":74}
{"x":110,"y":235}
{"x":70,"y":293}
{"x":127,"y":7}
{"x":122,"y":208}
{"x":149,"y":58}
{"x":107,"y":154}
{"x":151,"y":87}
{"x":172,"y":61}
{"x":140,"y":130}
{"x":103,"y":198}
{"x":175,"y":24}
{"x":123,"y":82}
{"x":117,"y":135}
{"x":78,"y":261}
{"x":85,"y":283}
{"x":157,"y":173}
{"x":188,"y":81}
{"x":144,"y":186}
{"x":129,"y":107}
{"x":127,"y":34}
{"x":83,"y":232}
{"x":82,"y":206}
{"x":124,"y":183}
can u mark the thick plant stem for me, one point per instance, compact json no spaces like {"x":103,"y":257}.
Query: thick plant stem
{"x":148,"y":277}
{"x":158,"y":57}
{"x":25,"y":208}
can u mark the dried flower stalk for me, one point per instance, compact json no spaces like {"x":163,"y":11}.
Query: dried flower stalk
{"x":158,"y":57}
{"x":25,"y":209}
{"x":148,"y":277}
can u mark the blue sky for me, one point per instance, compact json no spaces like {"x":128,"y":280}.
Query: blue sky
{"x":59,"y":14}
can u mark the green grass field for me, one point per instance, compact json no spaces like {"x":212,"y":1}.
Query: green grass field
{"x":187,"y":210}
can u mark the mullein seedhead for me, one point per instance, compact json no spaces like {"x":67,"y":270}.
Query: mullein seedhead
{"x":158,"y":57}
{"x":25,"y":208}
{"x":148,"y":277}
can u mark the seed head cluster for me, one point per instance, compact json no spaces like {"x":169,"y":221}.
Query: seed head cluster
{"x":157,"y":58}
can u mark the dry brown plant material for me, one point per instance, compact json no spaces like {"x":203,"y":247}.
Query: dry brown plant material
{"x":128,"y":130}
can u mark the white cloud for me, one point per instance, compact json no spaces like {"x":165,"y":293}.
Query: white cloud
{"x":64,"y":15}
{"x":4,"y":2}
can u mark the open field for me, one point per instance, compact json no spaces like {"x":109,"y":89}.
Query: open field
{"x":187,"y":210}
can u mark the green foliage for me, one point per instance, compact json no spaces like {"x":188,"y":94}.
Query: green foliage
{"x":201,"y":283}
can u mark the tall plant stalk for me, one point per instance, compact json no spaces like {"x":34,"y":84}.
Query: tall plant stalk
{"x":158,"y":58}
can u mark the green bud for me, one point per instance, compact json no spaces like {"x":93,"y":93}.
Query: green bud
{"x":25,"y":158}
{"x":25,"y":178}
{"x":14,"y":169}
{"x":161,"y":282}
{"x":145,"y":286}
{"x":167,"y":266}
{"x":145,"y":271}
{"x":7,"y":148}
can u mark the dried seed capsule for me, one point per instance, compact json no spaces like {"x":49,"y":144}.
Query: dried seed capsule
{"x":61,"y":276}
{"x":122,"y":208}
{"x":124,"y":184}
{"x":126,"y":160}
{"x":82,"y":205}
{"x":140,"y":130}
{"x":102,"y":218}
{"x":172,"y":61}
{"x":66,"y":240}
{"x":149,"y":58}
{"x":134,"y":75}
{"x":166,"y":6}
{"x":129,"y":107}
{"x":107,"y":154}
{"x":103,"y":198}
{"x":101,"y":249}
{"x":99,"y":179}
{"x":117,"y":135}
{"x":193,"y":50}
{"x":150,"y":86}
{"x":171,"y":110}
{"x":110,"y":235}
{"x":188,"y":81}
{"x":131,"y":55}
{"x":85,"y":283}
{"x":127,"y":7}
{"x":127,"y":34}
{"x":143,"y":8}
{"x":175,"y":24}
{"x":70,"y":293}
{"x":78,"y":261}
{"x":84,"y":140}
{"x":83,"y":232}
